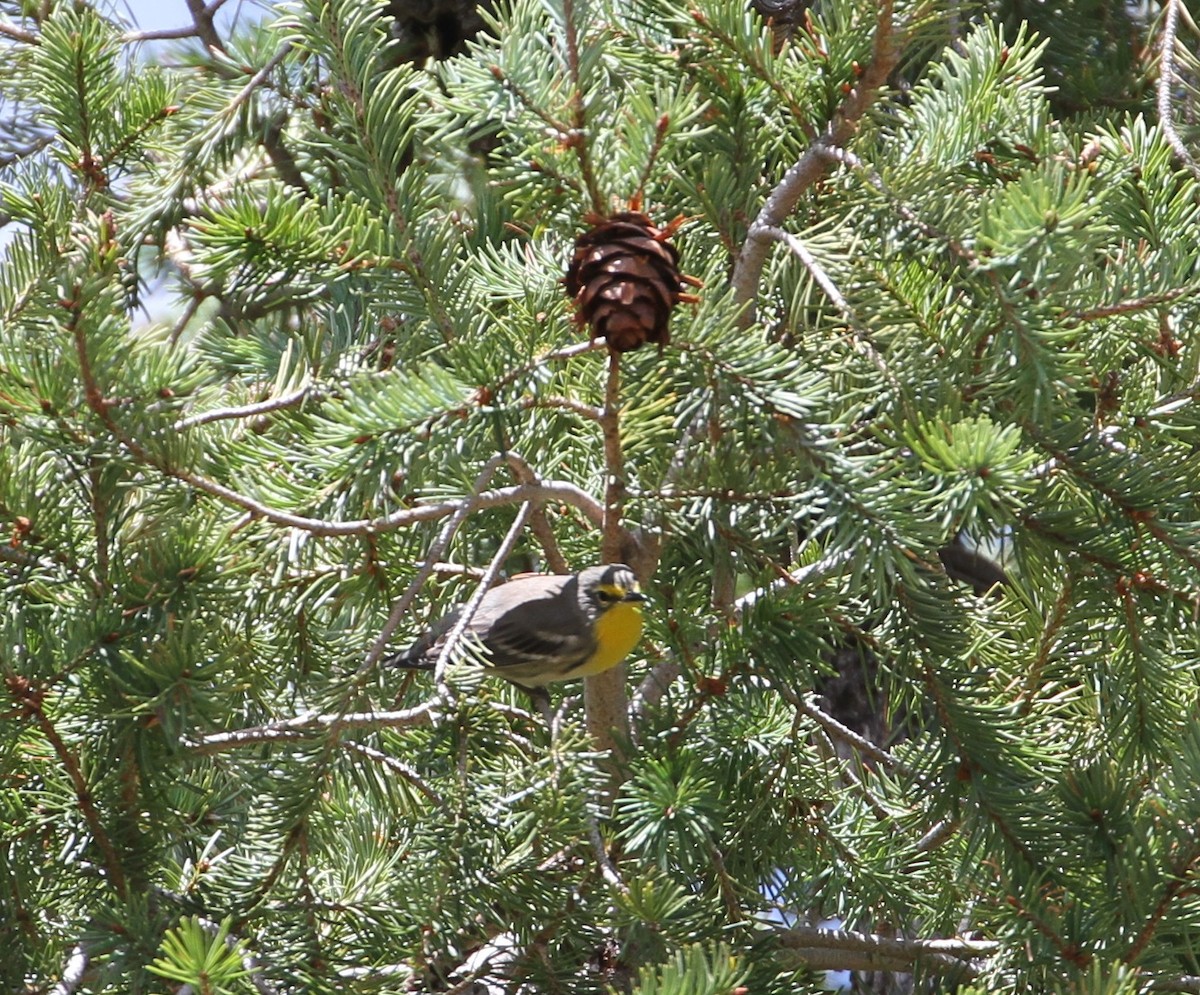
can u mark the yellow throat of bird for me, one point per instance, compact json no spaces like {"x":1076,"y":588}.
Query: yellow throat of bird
{"x":617,"y":633}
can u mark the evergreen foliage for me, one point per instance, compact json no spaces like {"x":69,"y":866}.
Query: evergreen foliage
{"x":950,"y":271}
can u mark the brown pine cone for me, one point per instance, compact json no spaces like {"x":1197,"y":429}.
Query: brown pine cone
{"x":625,"y":278}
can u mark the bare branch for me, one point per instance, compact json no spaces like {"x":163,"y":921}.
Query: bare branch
{"x":567,"y":403}
{"x":848,"y":950}
{"x":810,"y":167}
{"x":1168,"y":79}
{"x":311,"y":724}
{"x":434,"y":553}
{"x":31,"y":148}
{"x":73,"y":971}
{"x":18,"y":34}
{"x":607,"y":869}
{"x":455,"y":635}
{"x":161,"y":34}
{"x":206,"y":30}
{"x":289,"y":400}
{"x":938,"y":835}
{"x":171,"y":34}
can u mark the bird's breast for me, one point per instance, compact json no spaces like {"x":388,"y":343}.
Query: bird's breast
{"x":617,"y":633}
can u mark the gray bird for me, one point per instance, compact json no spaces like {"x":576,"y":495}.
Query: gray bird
{"x":540,"y":628}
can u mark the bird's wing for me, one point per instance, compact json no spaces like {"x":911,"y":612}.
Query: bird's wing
{"x":534,"y":619}
{"x":557,"y":631}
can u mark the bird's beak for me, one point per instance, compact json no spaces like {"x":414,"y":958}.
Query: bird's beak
{"x":634,"y":596}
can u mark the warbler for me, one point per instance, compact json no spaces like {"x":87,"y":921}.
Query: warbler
{"x":542,"y":628}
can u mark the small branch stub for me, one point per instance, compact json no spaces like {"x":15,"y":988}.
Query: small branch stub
{"x":624,"y":276}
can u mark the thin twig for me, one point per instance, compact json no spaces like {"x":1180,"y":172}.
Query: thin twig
{"x":426,"y":569}
{"x":454,"y":637}
{"x":607,"y":869}
{"x":289,"y":400}
{"x":837,"y":730}
{"x":1137,"y":304}
{"x":587,"y":411}
{"x":161,"y":34}
{"x":310,"y":724}
{"x":858,"y":331}
{"x":938,"y":835}
{"x":185,"y":318}
{"x":539,"y":524}
{"x":403,"y":770}
{"x":18,"y":34}
{"x":32,"y":148}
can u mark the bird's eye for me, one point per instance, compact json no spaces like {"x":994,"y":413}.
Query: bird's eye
{"x":608,"y":596}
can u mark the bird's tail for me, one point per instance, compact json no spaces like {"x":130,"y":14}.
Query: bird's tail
{"x":414,"y":658}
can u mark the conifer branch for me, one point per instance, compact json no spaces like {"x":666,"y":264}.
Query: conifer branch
{"x":1180,"y":884}
{"x":250,"y":963}
{"x":1137,"y":304}
{"x":552,"y":490}
{"x":578,"y":137}
{"x":31,"y":701}
{"x":815,"y":163}
{"x":656,"y":683}
{"x":847,"y":158}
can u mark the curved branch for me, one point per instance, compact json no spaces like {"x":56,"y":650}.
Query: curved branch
{"x":1168,"y":77}
{"x":247,"y":410}
{"x":816,"y":162}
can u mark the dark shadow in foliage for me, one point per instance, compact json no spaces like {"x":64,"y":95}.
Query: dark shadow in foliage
{"x":433,"y":29}
{"x":856,"y":692}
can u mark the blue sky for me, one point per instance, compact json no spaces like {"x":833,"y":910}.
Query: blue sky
{"x":152,"y":15}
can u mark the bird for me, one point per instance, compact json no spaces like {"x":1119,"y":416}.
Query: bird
{"x":541,"y":628}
